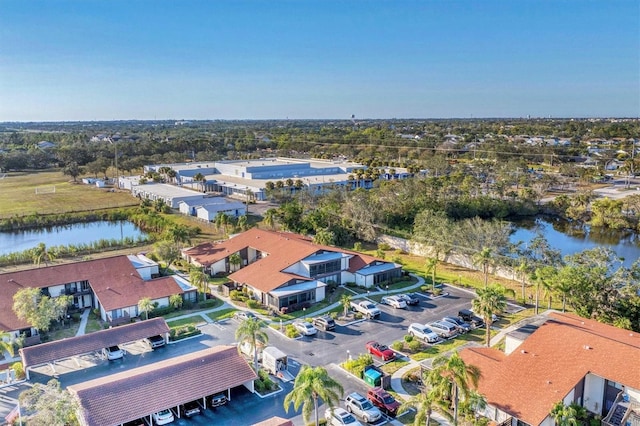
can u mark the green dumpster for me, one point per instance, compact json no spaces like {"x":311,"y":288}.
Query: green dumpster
{"x":372,"y":377}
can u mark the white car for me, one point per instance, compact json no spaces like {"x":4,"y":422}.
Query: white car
{"x":394,"y":301}
{"x":112,"y":352}
{"x":422,"y":332}
{"x":305,"y":328}
{"x":163,"y":417}
{"x":340,"y":417}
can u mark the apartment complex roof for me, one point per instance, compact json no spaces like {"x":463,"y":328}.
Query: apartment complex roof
{"x":552,"y":361}
{"x":281,"y":250}
{"x":65,"y":348}
{"x":161,"y":385}
{"x":114,"y":280}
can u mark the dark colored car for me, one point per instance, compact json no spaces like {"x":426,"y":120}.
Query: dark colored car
{"x":467,"y":315}
{"x":411,"y":299}
{"x":462,"y":326}
{"x":217,"y":400}
{"x":191,"y":409}
{"x":383,"y":400}
{"x":324,"y":322}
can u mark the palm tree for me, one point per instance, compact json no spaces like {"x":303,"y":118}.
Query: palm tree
{"x":235,"y":261}
{"x":345,"y":301}
{"x":460,"y":376}
{"x":569,"y":415}
{"x":40,"y":253}
{"x":485,"y":259}
{"x":242,"y":223}
{"x":199,"y":280}
{"x":423,"y":403}
{"x":250,"y":331}
{"x":175,"y":300}
{"x":524,"y":270}
{"x":199,"y":177}
{"x":312,"y":384}
{"x":146,"y":305}
{"x":489,"y":301}
{"x":270,"y":218}
{"x":221,"y":221}
{"x":542,"y":277}
{"x":430,"y":267}
{"x":6,"y":344}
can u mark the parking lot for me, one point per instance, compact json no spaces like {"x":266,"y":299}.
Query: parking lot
{"x":326,"y":348}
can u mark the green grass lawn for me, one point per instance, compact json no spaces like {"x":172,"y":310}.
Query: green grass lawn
{"x":221,"y":314}
{"x":476,"y":336}
{"x":93,"y":324}
{"x":63,"y":332}
{"x":194,"y":320}
{"x":18,"y":195}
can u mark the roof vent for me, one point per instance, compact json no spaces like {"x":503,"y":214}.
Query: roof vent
{"x":548,"y":382}
{"x":587,"y":347}
{"x":523,"y":351}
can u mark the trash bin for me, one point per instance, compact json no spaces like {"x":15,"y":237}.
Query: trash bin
{"x":372,"y":377}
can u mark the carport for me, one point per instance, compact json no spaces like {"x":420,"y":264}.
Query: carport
{"x":138,"y":393}
{"x":49,"y":353}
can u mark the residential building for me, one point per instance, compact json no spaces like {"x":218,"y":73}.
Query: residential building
{"x":112,"y":285}
{"x":567,"y":358}
{"x":286,"y":270}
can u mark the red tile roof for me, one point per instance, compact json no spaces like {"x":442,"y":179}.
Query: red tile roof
{"x":65,"y":348}
{"x":283,"y":249}
{"x":551,"y":362}
{"x":129,"y":395}
{"x":114,"y":280}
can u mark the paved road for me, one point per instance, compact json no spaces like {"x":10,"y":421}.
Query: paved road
{"x":326,"y":348}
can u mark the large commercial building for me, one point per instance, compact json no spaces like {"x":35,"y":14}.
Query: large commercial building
{"x":248,"y":178}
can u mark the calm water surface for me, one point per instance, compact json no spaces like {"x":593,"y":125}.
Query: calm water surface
{"x":570,"y":239}
{"x":78,"y":233}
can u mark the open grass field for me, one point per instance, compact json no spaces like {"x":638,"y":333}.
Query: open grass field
{"x":18,"y":195}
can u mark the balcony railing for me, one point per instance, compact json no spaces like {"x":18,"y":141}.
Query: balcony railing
{"x":624,"y":411}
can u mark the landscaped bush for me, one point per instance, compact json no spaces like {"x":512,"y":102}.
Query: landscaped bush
{"x":183,"y":332}
{"x":356,"y":366}
{"x":264,"y":382}
{"x":414,"y":345}
{"x":210,"y":303}
{"x":237,"y":296}
{"x":384,"y":246}
{"x":290,"y":331}
{"x":19,"y":369}
{"x":158,"y":312}
{"x":398,"y":345}
{"x":253,"y":304}
{"x":408,"y":338}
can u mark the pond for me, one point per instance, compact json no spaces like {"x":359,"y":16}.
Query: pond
{"x":571,"y":239}
{"x":75,"y":234}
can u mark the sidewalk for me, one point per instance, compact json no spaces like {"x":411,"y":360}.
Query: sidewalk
{"x":83,"y":322}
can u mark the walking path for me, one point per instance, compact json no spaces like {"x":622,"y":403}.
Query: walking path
{"x":83,"y":322}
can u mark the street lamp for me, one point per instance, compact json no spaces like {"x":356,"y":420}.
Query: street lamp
{"x":348,"y":355}
{"x":387,"y":289}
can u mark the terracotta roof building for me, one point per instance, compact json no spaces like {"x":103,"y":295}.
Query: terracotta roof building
{"x":286,"y":270}
{"x":569,"y":359}
{"x":138,"y":393}
{"x":113,"y":285}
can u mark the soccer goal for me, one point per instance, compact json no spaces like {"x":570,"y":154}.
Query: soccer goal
{"x":45,"y":189}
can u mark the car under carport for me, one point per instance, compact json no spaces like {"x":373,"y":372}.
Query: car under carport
{"x":140,"y":392}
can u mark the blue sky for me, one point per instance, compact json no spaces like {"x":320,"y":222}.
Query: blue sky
{"x":240,"y":59}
